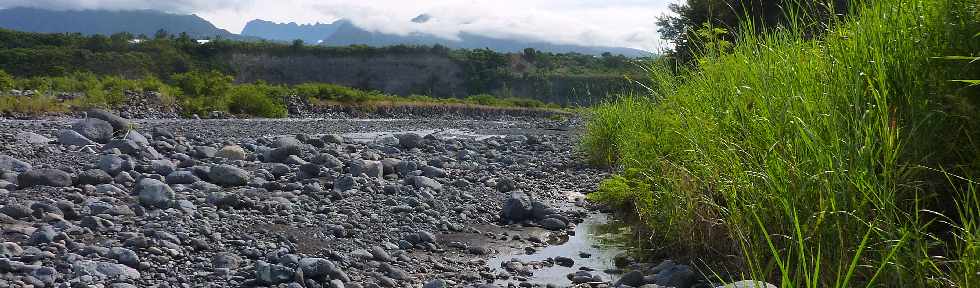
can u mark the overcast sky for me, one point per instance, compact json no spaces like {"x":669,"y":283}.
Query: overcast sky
{"x":627,"y":23}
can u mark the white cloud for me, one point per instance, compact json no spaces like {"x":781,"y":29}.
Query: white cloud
{"x":628,"y":23}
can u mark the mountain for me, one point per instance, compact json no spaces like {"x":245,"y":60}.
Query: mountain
{"x":106,"y":22}
{"x":349,"y":34}
{"x":309,"y":33}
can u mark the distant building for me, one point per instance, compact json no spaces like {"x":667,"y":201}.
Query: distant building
{"x":203,"y":41}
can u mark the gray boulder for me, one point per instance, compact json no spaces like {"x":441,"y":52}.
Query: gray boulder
{"x":70,"y":137}
{"x":227,"y":175}
{"x":32,"y":138}
{"x":409,"y":140}
{"x":125,"y":146}
{"x":113,"y":164}
{"x":273,"y":273}
{"x":94,"y":177}
{"x":118,"y":124}
{"x":748,"y":284}
{"x":104,"y":270}
{"x":44,"y":177}
{"x":96,"y":129}
{"x":231,"y":152}
{"x":517,"y":208}
{"x":182,"y":177}
{"x":155,"y":194}
{"x":425,"y":182}
{"x":137,"y":137}
{"x":8,"y":163}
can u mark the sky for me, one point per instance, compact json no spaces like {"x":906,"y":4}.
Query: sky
{"x":625,"y":23}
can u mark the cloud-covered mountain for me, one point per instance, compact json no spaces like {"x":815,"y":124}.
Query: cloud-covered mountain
{"x":106,"y":22}
{"x":350,"y":34}
{"x":309,"y":33}
{"x":338,"y":33}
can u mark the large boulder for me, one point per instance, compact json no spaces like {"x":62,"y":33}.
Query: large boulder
{"x":104,"y":270}
{"x":273,"y":273}
{"x":227,"y":175}
{"x":44,"y":177}
{"x":231,"y":152}
{"x":517,"y":208}
{"x":409,"y":140}
{"x":126,"y":146}
{"x":70,"y":137}
{"x":97,"y":130}
{"x":113,"y":164}
{"x":8,"y":163}
{"x":32,"y":138}
{"x":425,"y":182}
{"x":94,"y":177}
{"x":281,"y":154}
{"x":366,"y":167}
{"x":118,"y":124}
{"x":155,"y":194}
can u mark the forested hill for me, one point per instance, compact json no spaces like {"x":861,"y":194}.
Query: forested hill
{"x":90,"y":22}
{"x":402,"y":70}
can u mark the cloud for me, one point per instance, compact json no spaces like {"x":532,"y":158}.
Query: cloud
{"x":627,"y":23}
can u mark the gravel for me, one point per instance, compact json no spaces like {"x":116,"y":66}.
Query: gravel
{"x":232,"y":203}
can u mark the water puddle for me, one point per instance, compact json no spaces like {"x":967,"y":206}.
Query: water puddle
{"x":366,"y":137}
{"x":600,"y":238}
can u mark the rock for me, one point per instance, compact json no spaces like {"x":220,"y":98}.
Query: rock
{"x":163,"y":167}
{"x":231,"y":152}
{"x":332,"y":138}
{"x":407,"y":167}
{"x":137,"y":137}
{"x":125,"y":146}
{"x":16,"y":211}
{"x":113,"y":164}
{"x":97,"y":130}
{"x":370,"y":168}
{"x":343,"y":183}
{"x":281,"y":154}
{"x":748,"y":284}
{"x":564,"y":261}
{"x":226,"y":260}
{"x":70,"y":137}
{"x":387,"y":140}
{"x":10,"y":250}
{"x":8,"y":163}
{"x":310,"y":169}
{"x":409,"y":140}
{"x":32,"y":138}
{"x":44,"y":177}
{"x":506,"y":185}
{"x":422,"y":181}
{"x":315,"y":268}
{"x":125,"y":256}
{"x":104,"y":270}
{"x":433,"y":172}
{"x":94,"y":177}
{"x":155,"y":194}
{"x":435,"y":283}
{"x":553,"y":224}
{"x":675,"y":276}
{"x":380,"y":254}
{"x":517,"y":208}
{"x":162,"y":132}
{"x":327,"y":160}
{"x":182,"y":177}
{"x":273,"y":273}
{"x":118,"y":123}
{"x":632,"y":279}
{"x":227,"y":175}
{"x":205,"y":152}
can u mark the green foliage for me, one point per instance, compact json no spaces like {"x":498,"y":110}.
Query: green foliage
{"x":6,"y":82}
{"x":811,"y":162}
{"x":256,"y":100}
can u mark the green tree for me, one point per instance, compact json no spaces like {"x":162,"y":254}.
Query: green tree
{"x":6,"y":82}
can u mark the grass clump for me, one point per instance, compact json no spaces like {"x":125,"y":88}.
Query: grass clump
{"x":811,"y":161}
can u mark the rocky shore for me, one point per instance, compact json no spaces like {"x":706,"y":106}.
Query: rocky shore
{"x":110,"y":202}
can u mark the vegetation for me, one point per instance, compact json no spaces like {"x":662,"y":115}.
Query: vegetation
{"x":836,"y":160}
{"x":200,"y":93}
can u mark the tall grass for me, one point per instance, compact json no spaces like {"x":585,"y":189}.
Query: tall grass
{"x":811,"y":162}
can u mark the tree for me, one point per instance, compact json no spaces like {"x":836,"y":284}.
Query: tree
{"x":297,"y":44}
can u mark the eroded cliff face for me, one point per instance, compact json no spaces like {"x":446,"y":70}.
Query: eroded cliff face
{"x":432,"y":75}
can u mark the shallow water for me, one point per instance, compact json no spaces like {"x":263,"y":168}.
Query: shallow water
{"x":600,"y":235}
